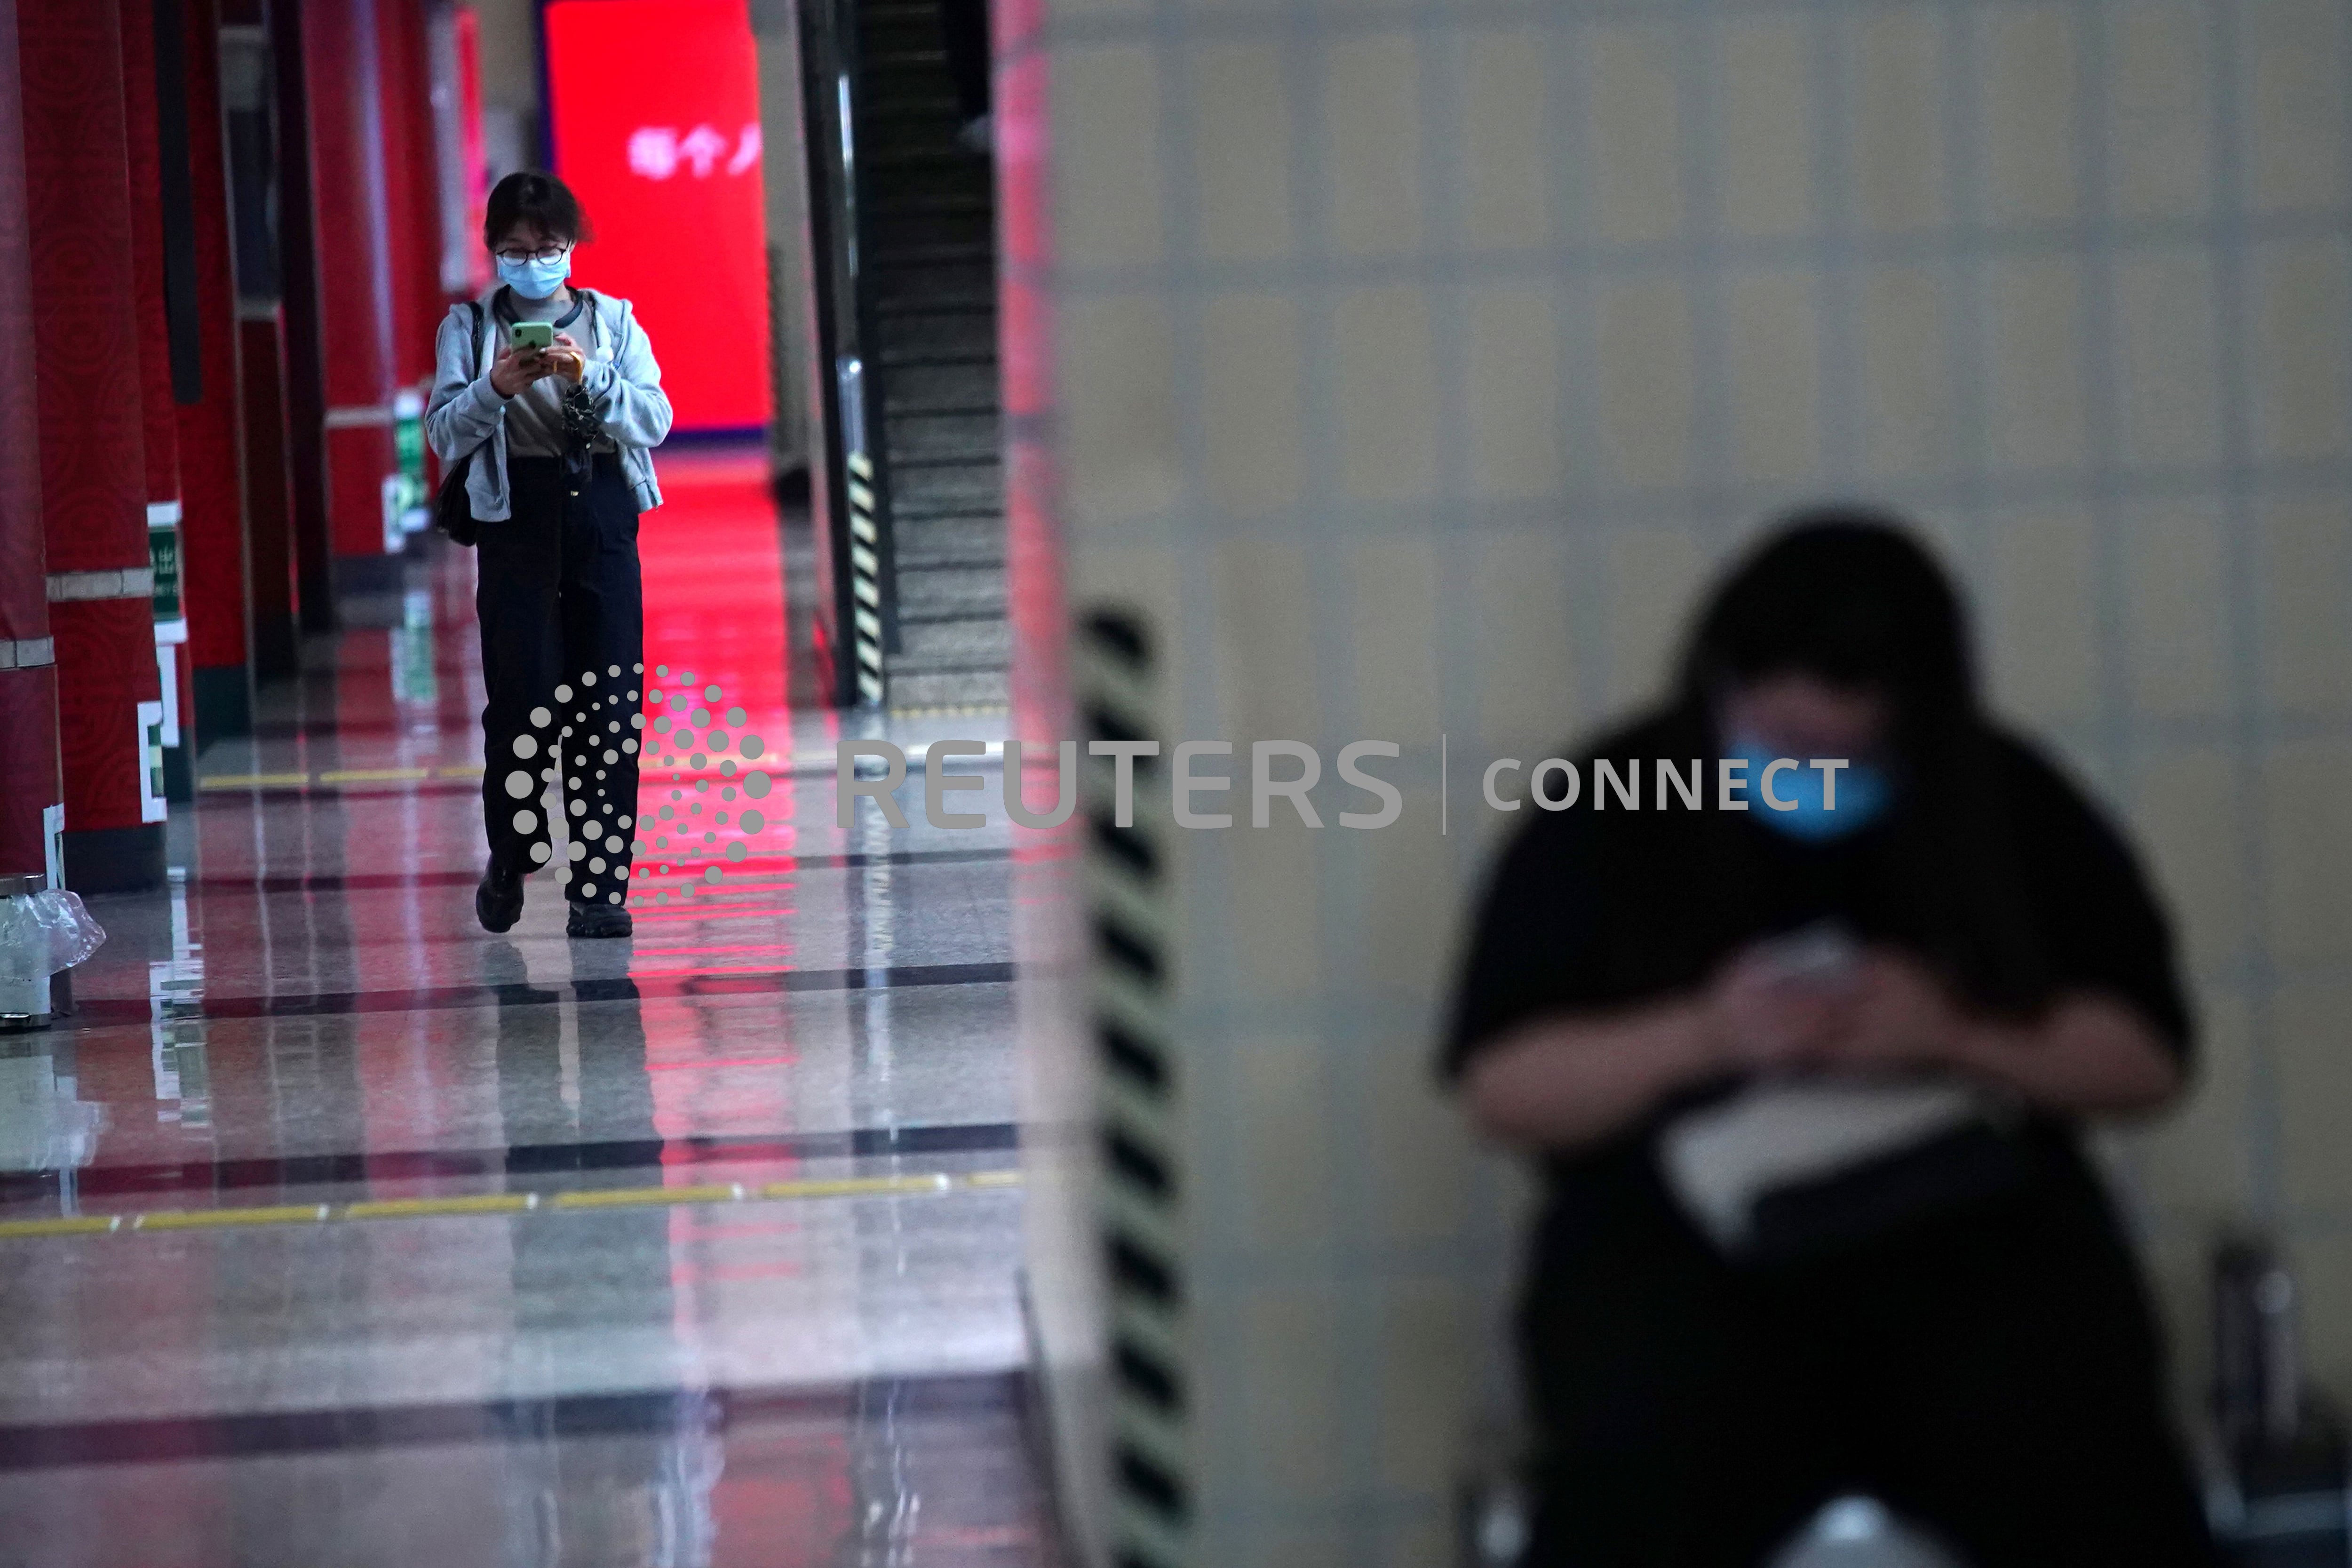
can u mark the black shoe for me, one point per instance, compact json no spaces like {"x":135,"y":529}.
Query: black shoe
{"x":598,"y":920}
{"x":498,"y":902}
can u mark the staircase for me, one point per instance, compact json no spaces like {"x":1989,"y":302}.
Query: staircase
{"x":929,"y":242}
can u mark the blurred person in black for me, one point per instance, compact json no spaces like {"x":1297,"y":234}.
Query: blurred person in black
{"x":1807,"y":1085}
{"x":963,"y":28}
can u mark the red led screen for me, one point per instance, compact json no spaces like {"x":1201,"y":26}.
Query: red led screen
{"x":654,"y":110}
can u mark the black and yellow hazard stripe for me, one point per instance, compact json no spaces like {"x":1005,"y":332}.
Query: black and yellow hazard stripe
{"x":1142,"y":1187}
{"x":865,"y":579}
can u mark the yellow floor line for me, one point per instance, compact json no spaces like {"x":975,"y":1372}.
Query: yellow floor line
{"x":67,"y":1225}
{"x":375,"y":775}
{"x":411,"y":1208}
{"x":209,"y":1219}
{"x":654,"y":1197}
{"x":508,"y":1202}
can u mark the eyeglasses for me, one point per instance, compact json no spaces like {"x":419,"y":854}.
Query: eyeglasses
{"x":544,"y":253}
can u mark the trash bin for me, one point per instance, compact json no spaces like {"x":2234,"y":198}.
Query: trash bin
{"x":42,"y":931}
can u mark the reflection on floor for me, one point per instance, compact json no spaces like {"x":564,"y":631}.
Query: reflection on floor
{"x":335,"y":1230}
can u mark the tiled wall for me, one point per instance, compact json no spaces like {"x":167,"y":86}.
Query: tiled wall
{"x":1413,"y":366}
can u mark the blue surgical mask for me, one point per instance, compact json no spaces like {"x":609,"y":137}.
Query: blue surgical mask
{"x":535,"y":280}
{"x":1862,"y":792}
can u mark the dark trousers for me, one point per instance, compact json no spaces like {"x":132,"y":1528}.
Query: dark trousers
{"x":562,"y":616}
{"x":1994,"y":1377}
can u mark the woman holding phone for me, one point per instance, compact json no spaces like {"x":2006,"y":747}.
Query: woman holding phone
{"x":1807,"y":1082}
{"x":551,"y":395}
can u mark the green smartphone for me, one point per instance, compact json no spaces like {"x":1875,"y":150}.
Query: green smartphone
{"x":531,"y":335}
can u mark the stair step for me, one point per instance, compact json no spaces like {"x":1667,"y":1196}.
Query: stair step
{"x":880,"y":34}
{"x":895,"y":204}
{"x":966,"y":388}
{"x":896,"y":231}
{"x":966,"y":642}
{"x":934,"y":290}
{"x":928,"y":544}
{"x":910,"y":106}
{"x":909,"y":301}
{"x":942,"y":438}
{"x":929,"y":593}
{"x":943,"y":179}
{"x":919,"y":690}
{"x":932,"y":337}
{"x":910,"y":136}
{"x":975,"y":560}
{"x":903,"y":119}
{"x":923,"y":471}
{"x":903,"y":74}
{"x":887,"y":232}
{"x":982,"y":549}
{"x":949,"y":485}
{"x":933,"y":253}
{"x":900,"y":159}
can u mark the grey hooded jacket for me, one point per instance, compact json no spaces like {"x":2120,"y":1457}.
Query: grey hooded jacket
{"x":466,"y":411}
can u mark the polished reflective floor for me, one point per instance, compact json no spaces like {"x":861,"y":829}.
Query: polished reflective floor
{"x":335,"y":1230}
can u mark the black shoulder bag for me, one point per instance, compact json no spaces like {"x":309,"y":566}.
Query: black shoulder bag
{"x":453,"y":512}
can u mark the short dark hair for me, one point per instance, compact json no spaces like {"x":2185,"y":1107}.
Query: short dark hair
{"x":1847,"y":593}
{"x":540,"y":200}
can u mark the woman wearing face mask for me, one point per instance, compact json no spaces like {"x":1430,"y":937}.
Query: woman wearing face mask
{"x":1806,"y":1083}
{"x":560,"y":443}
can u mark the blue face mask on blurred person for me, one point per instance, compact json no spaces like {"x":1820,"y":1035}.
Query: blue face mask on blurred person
{"x":1864,"y":791}
{"x":534,"y":279}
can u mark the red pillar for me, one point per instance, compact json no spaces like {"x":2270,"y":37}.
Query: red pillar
{"x":350,"y":200}
{"x":211,"y":514}
{"x":158,"y":419}
{"x":92,"y":464}
{"x":30,"y":788}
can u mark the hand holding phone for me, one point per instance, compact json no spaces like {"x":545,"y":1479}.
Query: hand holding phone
{"x":522,"y":356}
{"x":1781,"y":1003}
{"x":1825,"y":952}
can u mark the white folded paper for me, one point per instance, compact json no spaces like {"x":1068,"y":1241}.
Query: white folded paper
{"x":1720,"y":1159}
